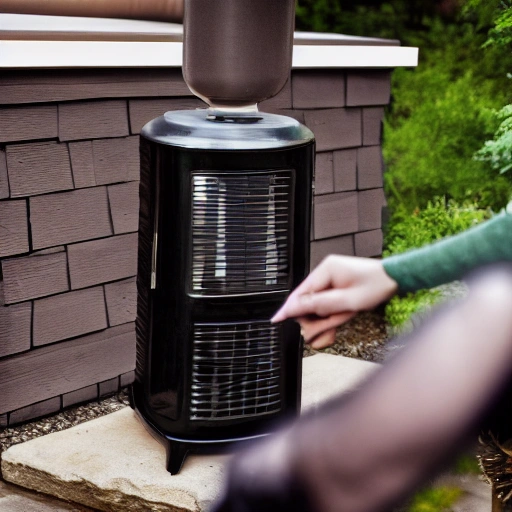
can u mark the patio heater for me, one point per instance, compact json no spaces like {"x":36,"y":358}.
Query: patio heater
{"x":224,"y":227}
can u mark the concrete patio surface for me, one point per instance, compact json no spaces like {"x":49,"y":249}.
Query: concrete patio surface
{"x":113,"y":464}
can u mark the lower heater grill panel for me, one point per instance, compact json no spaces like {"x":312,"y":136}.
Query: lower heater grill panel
{"x":236,"y":370}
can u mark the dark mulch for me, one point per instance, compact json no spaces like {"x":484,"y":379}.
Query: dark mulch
{"x":363,"y":337}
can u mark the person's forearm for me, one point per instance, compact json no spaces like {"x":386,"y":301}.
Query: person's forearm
{"x":452,"y":257}
{"x":372,"y":451}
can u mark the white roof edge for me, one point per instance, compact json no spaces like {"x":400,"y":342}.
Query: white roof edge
{"x":115,"y":54}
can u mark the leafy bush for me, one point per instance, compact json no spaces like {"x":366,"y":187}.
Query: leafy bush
{"x":440,"y":218}
{"x":498,"y":152}
{"x":438,"y":499}
{"x":399,"y":310}
{"x":441,"y":115}
{"x":467,"y":465}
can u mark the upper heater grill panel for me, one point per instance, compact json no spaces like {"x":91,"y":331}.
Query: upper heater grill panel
{"x":241,"y":232}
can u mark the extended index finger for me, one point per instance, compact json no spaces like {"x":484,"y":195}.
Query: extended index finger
{"x":319,"y":279}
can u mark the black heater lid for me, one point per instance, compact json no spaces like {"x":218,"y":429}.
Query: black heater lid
{"x":219,"y":130}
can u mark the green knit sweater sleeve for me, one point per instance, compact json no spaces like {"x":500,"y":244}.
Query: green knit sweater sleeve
{"x":451,"y":258}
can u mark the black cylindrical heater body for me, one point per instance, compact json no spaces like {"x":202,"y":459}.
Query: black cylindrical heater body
{"x":223,"y":238}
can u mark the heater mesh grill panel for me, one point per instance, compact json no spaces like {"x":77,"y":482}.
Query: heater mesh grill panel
{"x":240,"y":232}
{"x":236,"y":371}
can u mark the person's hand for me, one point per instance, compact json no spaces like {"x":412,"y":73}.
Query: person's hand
{"x":334,"y":292}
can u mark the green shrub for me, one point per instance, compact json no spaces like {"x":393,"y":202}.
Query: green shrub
{"x":467,"y":465}
{"x":442,"y":112}
{"x":438,"y":499}
{"x":498,"y":152}
{"x":399,"y":310}
{"x":430,"y":141}
{"x":440,"y":218}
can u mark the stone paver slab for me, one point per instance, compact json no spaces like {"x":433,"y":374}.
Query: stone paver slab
{"x":15,"y":499}
{"x":113,"y":464}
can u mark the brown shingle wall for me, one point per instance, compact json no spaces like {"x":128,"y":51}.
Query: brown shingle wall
{"x":68,"y":315}
{"x":13,"y":227}
{"x":124,"y":206}
{"x":4,"y":181}
{"x":143,"y":110}
{"x":69,"y":170}
{"x":121,"y":299}
{"x":93,"y":120}
{"x":82,"y":163}
{"x":67,"y":217}
{"x":64,"y":367}
{"x":15,"y":323}
{"x":19,"y":87}
{"x":28,"y":123}
{"x":368,"y":87}
{"x":116,"y":160}
{"x":35,"y":276}
{"x":318,"y":89}
{"x":101,"y":261}
{"x":38,"y":168}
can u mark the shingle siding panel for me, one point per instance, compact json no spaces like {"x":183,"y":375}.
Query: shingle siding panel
{"x":335,"y":214}
{"x":101,"y":261}
{"x":38,"y":168}
{"x":109,"y":387}
{"x":62,"y":368}
{"x":126,"y":379}
{"x":3,"y":421}
{"x":37,"y":410}
{"x":324,"y":181}
{"x":34,"y":276}
{"x":318,"y":89}
{"x":37,"y":86}
{"x":68,"y":217}
{"x":15,"y":322}
{"x":82,"y":163}
{"x":13,"y":228}
{"x":121,"y":301}
{"x":345,"y":170}
{"x":4,"y":181}
{"x":369,"y":167}
{"x":370,"y":206}
{"x":339,"y":245}
{"x":282,"y":100}
{"x":368,"y":243}
{"x":124,"y":206}
{"x":144,"y":110}
{"x":86,"y":394}
{"x":372,"y":126}
{"x":28,"y":123}
{"x":368,"y":87}
{"x":116,"y":160}
{"x":68,"y":315}
{"x":335,"y":128}
{"x":93,"y":120}
{"x":294,"y":114}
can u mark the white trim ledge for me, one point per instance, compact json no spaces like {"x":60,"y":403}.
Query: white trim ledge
{"x":115,"y":54}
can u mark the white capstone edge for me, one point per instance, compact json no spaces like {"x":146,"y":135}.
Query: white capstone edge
{"x":117,"y":54}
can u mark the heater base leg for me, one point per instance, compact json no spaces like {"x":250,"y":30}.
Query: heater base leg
{"x":176,"y":452}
